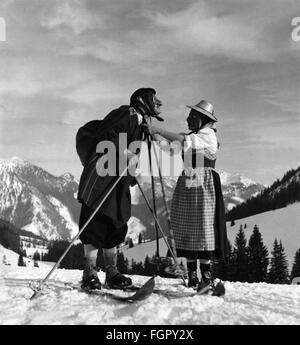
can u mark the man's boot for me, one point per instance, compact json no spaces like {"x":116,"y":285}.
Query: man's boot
{"x":90,"y":280}
{"x":114,"y":279}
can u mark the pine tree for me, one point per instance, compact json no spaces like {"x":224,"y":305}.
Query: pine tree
{"x":121,"y":265}
{"x":137,"y":268}
{"x":132,"y":267}
{"x":278,"y":273}
{"x":140,"y":238}
{"x":21,"y":260}
{"x":296,"y":265}
{"x":258,"y":258}
{"x":223,"y":268}
{"x":240,"y":258}
{"x":127,"y":265}
{"x":149,"y":267}
{"x":131,"y":245}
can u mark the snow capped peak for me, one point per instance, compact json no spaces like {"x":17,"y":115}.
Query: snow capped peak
{"x":67,"y":176}
{"x":35,"y":200}
{"x":13,"y":162}
{"x":229,"y":178}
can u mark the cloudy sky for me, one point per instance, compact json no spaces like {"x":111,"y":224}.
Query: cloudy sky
{"x":67,"y":62}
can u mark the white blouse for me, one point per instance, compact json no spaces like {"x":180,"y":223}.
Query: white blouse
{"x":204,"y":141}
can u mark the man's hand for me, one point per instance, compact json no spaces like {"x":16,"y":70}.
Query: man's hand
{"x":133,"y":165}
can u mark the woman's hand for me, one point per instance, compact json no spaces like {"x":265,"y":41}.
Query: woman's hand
{"x":170,"y":136}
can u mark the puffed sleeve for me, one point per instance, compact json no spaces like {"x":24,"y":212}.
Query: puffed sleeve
{"x":205,"y":141}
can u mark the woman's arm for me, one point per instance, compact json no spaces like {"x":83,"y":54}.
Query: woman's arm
{"x":170,"y":136}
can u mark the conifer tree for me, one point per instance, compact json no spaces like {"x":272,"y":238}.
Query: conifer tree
{"x":258,"y":258}
{"x":130,"y":242}
{"x":296,"y":265}
{"x":140,"y":238}
{"x":240,"y":258}
{"x":223,"y":268}
{"x":137,"y":267}
{"x":278,"y":273}
{"x":132,"y":266}
{"x":21,"y":260}
{"x":149,"y":268}
{"x":121,"y":265}
{"x":127,"y":265}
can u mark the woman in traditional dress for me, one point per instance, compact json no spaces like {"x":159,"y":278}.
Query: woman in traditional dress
{"x":197,"y":213}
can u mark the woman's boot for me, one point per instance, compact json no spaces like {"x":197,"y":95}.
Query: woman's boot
{"x":193,"y":280}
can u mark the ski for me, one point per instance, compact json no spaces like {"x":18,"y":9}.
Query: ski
{"x":141,"y":293}
{"x":217,"y":291}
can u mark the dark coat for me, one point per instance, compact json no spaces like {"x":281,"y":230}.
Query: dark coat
{"x":222,"y":250}
{"x":92,"y":187}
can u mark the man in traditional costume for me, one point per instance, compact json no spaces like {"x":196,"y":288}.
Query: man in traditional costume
{"x":108,"y":228}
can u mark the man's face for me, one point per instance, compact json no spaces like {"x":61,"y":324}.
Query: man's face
{"x":157,"y":104}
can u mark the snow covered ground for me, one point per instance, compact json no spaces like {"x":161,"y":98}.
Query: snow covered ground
{"x":244,"y":304}
{"x":282,"y":223}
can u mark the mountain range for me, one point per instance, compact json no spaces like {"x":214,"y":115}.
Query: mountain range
{"x":281,"y":193}
{"x":34,"y":200}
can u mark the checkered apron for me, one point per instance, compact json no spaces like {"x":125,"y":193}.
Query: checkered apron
{"x":193,"y":211}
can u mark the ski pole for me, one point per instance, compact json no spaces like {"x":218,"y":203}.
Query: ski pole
{"x":171,"y":237}
{"x":39,"y":287}
{"x":153,"y":190}
{"x":161,"y":231}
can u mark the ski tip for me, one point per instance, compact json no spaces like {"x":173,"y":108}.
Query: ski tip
{"x":35,"y":294}
{"x":145,"y":291}
{"x":219,"y":290}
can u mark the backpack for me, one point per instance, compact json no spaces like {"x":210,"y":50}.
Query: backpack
{"x":86,"y":140}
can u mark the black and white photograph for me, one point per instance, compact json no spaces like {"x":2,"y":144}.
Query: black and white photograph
{"x":149,"y":165}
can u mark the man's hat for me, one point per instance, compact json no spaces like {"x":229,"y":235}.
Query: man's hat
{"x":141,"y":92}
{"x":204,"y":108}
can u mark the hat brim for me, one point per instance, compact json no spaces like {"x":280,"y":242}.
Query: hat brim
{"x":204,"y":112}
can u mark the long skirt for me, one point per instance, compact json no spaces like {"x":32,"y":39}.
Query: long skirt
{"x":198,"y":216}
{"x":193,"y":212}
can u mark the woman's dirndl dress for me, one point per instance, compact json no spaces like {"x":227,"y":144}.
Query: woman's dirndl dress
{"x":197,"y":212}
